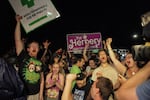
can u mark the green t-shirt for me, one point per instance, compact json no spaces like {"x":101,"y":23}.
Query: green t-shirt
{"x":75,"y":70}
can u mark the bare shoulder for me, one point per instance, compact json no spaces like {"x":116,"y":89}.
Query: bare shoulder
{"x":61,"y":75}
{"x":49,"y":75}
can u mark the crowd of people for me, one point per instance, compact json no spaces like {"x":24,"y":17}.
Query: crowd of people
{"x":40,"y":74}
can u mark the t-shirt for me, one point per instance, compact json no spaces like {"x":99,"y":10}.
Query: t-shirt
{"x":81,"y":93}
{"x":108,"y":72}
{"x":29,"y":71}
{"x":143,"y":91}
{"x":75,"y":70}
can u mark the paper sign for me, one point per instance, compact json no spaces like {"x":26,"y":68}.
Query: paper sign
{"x":34,"y":12}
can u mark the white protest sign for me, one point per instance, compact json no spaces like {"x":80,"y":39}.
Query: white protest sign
{"x":34,"y":12}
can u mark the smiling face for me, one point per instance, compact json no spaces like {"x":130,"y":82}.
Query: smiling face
{"x":92,"y":63}
{"x":55,"y":68}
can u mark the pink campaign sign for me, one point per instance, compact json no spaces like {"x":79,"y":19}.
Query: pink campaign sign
{"x":78,"y":41}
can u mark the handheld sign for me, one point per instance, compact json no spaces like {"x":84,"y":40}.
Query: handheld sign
{"x":76,"y":42}
{"x":34,"y":12}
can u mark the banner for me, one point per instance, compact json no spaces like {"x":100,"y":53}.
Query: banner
{"x":76,"y":42}
{"x":34,"y":12}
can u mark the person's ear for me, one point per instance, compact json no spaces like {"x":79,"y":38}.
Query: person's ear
{"x":97,"y":90}
{"x":28,"y":49}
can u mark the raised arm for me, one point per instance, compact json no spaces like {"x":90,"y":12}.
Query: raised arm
{"x":119,"y":66}
{"x":128,"y":90}
{"x":46,"y":44}
{"x":18,"y":41}
{"x":67,"y":92}
{"x":104,"y":45}
{"x":85,"y":52}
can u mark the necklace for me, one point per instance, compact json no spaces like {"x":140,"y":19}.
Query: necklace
{"x":133,"y":73}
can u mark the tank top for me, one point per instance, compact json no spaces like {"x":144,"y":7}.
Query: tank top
{"x":53,"y":92}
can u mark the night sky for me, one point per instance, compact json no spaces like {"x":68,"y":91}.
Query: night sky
{"x":116,"y":19}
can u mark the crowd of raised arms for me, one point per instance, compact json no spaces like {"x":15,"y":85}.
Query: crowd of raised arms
{"x":37,"y":73}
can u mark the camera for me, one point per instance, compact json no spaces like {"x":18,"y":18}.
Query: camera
{"x":80,"y":76}
{"x":141,"y":53}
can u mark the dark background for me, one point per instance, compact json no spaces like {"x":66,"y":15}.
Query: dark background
{"x":116,"y":19}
